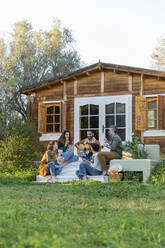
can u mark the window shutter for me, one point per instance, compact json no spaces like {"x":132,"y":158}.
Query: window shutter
{"x":161,"y":112}
{"x":41,"y":117}
{"x":140,"y":113}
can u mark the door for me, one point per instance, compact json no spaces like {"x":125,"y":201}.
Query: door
{"x":99,"y":113}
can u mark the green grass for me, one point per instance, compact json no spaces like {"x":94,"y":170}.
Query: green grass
{"x":76,"y":215}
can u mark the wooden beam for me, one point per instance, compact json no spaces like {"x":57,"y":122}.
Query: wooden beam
{"x":142,"y":85}
{"x":65,"y":112}
{"x":87,"y":73}
{"x":130,"y":83}
{"x":75,"y":87}
{"x":64,"y":89}
{"x":102,"y":82}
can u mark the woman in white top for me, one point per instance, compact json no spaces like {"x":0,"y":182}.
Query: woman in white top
{"x":92,"y":168}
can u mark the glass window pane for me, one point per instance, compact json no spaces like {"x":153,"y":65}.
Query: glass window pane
{"x":83,"y":134}
{"x":57,"y":127}
{"x":94,"y":121}
{"x":94,"y":109}
{"x":152,"y":124}
{"x":110,"y":108}
{"x":49,"y":128}
{"x":57,"y":109}
{"x":120,"y":120}
{"x":121,"y":133}
{"x":49,"y":118}
{"x":96,"y":133}
{"x":84,"y":122}
{"x":107,"y":134}
{"x":120,"y":108}
{"x":57,"y":118}
{"x":152,"y":105}
{"x":84,"y":110}
{"x":50,"y":110}
{"x":109,"y":120}
{"x":152,"y":114}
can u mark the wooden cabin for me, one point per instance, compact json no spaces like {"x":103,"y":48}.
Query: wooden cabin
{"x":97,"y":96}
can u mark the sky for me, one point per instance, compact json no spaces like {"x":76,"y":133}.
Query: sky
{"x":123,"y":32}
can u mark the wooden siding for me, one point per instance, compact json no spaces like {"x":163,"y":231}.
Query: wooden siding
{"x":70,"y":88}
{"x":153,"y":86}
{"x":70,"y":116}
{"x":136,"y":83}
{"x":89,"y":84}
{"x":115,"y":82}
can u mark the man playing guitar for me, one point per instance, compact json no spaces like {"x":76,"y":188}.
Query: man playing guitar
{"x":84,"y":146}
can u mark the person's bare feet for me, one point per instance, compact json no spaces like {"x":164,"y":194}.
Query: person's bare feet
{"x":49,"y":180}
{"x":104,"y":173}
{"x":84,"y":178}
{"x":53,"y":179}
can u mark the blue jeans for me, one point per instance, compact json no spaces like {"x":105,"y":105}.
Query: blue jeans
{"x":54,"y":169}
{"x":89,"y":156}
{"x":87,"y":169}
{"x":70,"y":157}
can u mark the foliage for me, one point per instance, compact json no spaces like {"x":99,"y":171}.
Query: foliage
{"x":29,"y":57}
{"x":81,"y":215}
{"x":136,"y":148}
{"x":158,"y":55}
{"x":157,"y":175}
{"x":20,"y":146}
{"x":28,"y":173}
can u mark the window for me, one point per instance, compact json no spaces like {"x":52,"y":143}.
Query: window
{"x":150,"y":112}
{"x":152,"y":118}
{"x":49,"y":118}
{"x":115,"y":115}
{"x":53,"y":119}
{"x":89,"y":120}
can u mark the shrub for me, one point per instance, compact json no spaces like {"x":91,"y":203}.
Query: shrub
{"x":157,"y":175}
{"x":136,"y":148}
{"x":20,"y":146}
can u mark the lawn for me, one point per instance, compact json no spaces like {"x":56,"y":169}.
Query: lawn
{"x":92,"y":214}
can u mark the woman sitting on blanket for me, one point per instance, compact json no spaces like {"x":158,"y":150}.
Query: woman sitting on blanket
{"x":92,"y":168}
{"x":48,"y":164}
{"x":65,"y":149}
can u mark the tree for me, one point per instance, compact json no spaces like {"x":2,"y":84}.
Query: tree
{"x":30,"y":57}
{"x":158,"y":55}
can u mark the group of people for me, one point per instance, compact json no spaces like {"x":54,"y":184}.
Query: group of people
{"x":93,"y":161}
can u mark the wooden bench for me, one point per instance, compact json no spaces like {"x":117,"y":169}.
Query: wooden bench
{"x":143,"y":165}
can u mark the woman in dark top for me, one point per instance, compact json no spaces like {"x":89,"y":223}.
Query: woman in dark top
{"x":65,"y":141}
{"x":65,"y":145}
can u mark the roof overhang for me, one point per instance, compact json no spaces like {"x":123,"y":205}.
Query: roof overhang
{"x":85,"y":71}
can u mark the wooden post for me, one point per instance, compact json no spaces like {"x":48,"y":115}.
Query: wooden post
{"x":142,"y":85}
{"x":102,"y":82}
{"x":129,"y":82}
{"x":141,"y":94}
{"x":65,"y":102}
{"x":75,"y":87}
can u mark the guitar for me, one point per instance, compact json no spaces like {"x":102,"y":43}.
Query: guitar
{"x":86,"y":149}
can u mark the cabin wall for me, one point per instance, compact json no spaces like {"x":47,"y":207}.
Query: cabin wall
{"x":115,"y":83}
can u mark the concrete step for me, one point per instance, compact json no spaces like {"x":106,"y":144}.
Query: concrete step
{"x":68,"y":175}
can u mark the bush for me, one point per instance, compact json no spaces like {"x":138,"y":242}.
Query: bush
{"x":158,"y":173}
{"x":136,"y":148}
{"x":20,"y":146}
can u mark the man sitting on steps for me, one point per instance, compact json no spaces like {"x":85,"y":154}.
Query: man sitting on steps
{"x":85,"y":145}
{"x":115,"y":147}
